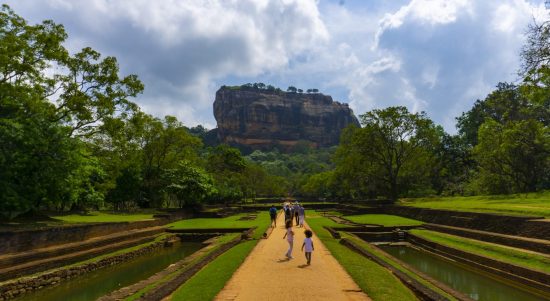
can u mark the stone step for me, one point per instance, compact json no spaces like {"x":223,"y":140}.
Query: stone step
{"x":525,"y":243}
{"x":43,"y":264}
{"x":12,"y":259}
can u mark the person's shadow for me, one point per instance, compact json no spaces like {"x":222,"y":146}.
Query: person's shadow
{"x":303,"y":266}
{"x":283,"y":260}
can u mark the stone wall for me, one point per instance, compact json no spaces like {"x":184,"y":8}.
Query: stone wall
{"x":24,"y":240}
{"x":533,"y":278}
{"x":511,"y":225}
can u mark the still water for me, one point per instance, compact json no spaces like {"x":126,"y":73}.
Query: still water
{"x":474,"y":285}
{"x":103,"y":281}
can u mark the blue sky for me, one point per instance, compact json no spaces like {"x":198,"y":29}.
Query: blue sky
{"x":433,"y":56}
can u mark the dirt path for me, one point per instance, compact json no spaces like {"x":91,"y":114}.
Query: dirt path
{"x":266,"y":274}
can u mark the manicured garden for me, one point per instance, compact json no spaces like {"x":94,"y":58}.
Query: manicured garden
{"x":383,"y":219}
{"x":518,"y":257}
{"x":533,"y":204}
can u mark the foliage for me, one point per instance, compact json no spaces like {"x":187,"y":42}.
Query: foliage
{"x":289,"y":172}
{"x":188,"y":184}
{"x":390,"y":155}
{"x":513,"y":157}
{"x":42,"y":115}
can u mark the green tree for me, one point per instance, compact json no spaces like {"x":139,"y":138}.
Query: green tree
{"x":514,"y":157}
{"x":393,"y":148}
{"x":188,"y":184}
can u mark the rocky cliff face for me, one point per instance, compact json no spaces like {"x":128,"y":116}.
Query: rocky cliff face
{"x":262,"y":119}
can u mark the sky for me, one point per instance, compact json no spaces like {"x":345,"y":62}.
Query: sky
{"x":428,"y":55}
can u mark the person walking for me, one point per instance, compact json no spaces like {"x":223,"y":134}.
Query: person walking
{"x":302,"y":215}
{"x":289,"y":235}
{"x":288,"y":216}
{"x":273,"y":215}
{"x":296,"y":212}
{"x":308,"y":244}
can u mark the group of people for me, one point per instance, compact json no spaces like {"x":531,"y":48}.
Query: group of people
{"x":294,"y":212}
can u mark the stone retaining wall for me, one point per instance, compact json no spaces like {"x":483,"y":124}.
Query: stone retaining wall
{"x":533,"y":244}
{"x":421,"y":291}
{"x":24,"y":240}
{"x":533,"y":278}
{"x":511,"y":225}
{"x":12,"y":289}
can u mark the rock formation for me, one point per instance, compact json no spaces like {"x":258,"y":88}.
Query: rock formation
{"x":263,"y":119}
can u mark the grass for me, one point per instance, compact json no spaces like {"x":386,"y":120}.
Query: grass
{"x":534,"y":204}
{"x":504,"y":254}
{"x":225,"y":223}
{"x":206,"y":284}
{"x":220,"y":240}
{"x":103,"y":217}
{"x":388,"y":259}
{"x":376,"y":281}
{"x":383,"y":219}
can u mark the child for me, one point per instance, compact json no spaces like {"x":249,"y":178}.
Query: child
{"x":308,"y":243}
{"x":289,"y":238}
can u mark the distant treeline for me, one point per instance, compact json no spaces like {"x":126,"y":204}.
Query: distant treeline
{"x":270,"y":88}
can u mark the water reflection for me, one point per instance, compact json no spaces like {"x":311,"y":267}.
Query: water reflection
{"x":106,"y":280}
{"x":474,"y":285}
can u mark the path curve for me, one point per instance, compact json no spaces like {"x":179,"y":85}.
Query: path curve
{"x":267,"y":275}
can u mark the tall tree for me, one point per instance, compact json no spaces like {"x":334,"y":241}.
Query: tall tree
{"x":394,"y":144}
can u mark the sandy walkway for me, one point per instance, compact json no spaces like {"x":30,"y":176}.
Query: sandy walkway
{"x":267,"y":275}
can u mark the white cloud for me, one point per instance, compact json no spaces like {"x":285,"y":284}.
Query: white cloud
{"x":432,"y":12}
{"x":433,"y":55}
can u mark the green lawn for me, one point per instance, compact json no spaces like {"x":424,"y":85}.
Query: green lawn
{"x":383,"y":219}
{"x":226,"y":222}
{"x":206,"y":284}
{"x":509,"y":255}
{"x":376,"y":281}
{"x":103,"y":217}
{"x":537,"y":204}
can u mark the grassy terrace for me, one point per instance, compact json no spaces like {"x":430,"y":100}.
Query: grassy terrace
{"x":206,"y":284}
{"x":383,"y":219}
{"x":103,"y":217}
{"x":525,"y":259}
{"x":209,"y":281}
{"x":227,"y":222}
{"x":537,"y":204}
{"x":376,"y":281}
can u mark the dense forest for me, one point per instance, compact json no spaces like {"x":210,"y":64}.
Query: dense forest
{"x":72,"y":138}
